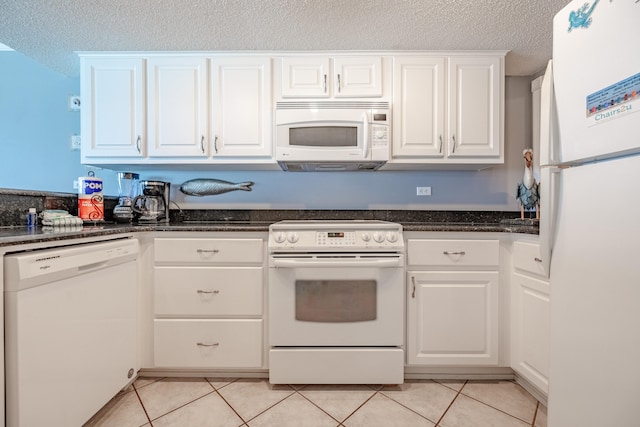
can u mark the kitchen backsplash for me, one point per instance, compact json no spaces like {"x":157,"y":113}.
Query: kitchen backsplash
{"x":14,"y":205}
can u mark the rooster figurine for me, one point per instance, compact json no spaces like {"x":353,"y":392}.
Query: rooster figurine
{"x":527,"y":192}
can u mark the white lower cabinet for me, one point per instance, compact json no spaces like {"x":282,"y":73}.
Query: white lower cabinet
{"x":530,"y":300}
{"x":453,"y":302}
{"x":208,"y":302}
{"x":208,"y":343}
{"x":453,"y":318}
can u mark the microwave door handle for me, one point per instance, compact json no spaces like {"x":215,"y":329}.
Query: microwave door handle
{"x":365,"y":127}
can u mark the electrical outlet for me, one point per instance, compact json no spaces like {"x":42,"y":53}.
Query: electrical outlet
{"x":423,"y":191}
{"x":75,"y":142}
{"x":74,"y":103}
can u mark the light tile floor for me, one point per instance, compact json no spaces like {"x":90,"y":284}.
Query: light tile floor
{"x":195,"y":402}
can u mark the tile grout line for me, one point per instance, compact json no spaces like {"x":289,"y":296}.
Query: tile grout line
{"x":493,"y":407}
{"x":451,"y":404}
{"x":359,"y":407}
{"x":408,"y":408}
{"x":535,"y":414}
{"x":244,"y":422}
{"x":293,"y":391}
{"x":314,"y":404}
{"x":146,"y":414}
{"x":213,"y":389}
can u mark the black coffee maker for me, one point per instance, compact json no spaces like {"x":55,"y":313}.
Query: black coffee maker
{"x":153,"y":203}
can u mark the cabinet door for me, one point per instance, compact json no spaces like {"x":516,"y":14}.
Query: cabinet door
{"x":241,"y":107}
{"x":453,"y":318}
{"x":305,"y":77}
{"x":530,"y":329}
{"x":358,"y":76}
{"x":177,"y":96}
{"x":418,"y":103}
{"x":113,"y":107}
{"x":475,"y":94}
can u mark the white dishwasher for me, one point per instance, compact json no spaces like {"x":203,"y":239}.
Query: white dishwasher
{"x":71,"y":331}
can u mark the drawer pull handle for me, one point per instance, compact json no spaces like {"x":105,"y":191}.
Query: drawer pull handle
{"x":536,"y":259}
{"x":454,"y":253}
{"x":208,"y":251}
{"x":200,"y":291}
{"x":201,"y":344}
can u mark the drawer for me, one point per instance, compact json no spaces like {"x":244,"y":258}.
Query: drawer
{"x":185,"y":343}
{"x":208,"y":291}
{"x":526,"y":257}
{"x":453,"y":253}
{"x":208,"y":251}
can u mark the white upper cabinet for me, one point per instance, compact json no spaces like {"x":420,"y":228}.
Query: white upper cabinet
{"x":113,"y":108}
{"x":216,"y":108}
{"x":447,"y":111}
{"x":418,"y":107}
{"x":241,"y":107}
{"x":357,"y":76}
{"x":474,"y":107}
{"x":325,"y":77}
{"x":177,"y":102}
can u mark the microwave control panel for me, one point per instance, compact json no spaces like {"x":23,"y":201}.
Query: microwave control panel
{"x":380,"y":135}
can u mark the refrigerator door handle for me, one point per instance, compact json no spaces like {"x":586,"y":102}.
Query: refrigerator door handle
{"x":549,"y":195}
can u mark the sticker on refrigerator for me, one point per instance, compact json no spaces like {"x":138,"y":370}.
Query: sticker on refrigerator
{"x":617,"y":100}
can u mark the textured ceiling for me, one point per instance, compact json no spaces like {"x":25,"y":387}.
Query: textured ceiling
{"x":50,"y":31}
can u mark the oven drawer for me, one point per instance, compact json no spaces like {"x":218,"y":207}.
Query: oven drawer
{"x":208,"y":251}
{"x":453,"y":253}
{"x":208,"y":291}
{"x":216,"y":343}
{"x":526,"y":257}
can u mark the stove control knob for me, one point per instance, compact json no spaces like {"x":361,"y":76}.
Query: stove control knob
{"x":292,"y":237}
{"x":366,"y":237}
{"x":392,"y":237}
{"x":280,"y":237}
{"x":378,"y":237}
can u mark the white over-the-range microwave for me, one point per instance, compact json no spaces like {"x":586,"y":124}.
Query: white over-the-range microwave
{"x":332,"y":135}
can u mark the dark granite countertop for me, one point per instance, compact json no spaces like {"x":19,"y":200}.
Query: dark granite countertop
{"x":16,"y":235}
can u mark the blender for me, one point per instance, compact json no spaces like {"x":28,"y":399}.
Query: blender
{"x":127,"y":191}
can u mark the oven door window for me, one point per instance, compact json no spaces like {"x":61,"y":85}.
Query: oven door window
{"x":336,"y":300}
{"x":324,"y":136}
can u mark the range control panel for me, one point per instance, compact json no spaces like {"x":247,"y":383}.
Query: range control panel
{"x":331,"y":235}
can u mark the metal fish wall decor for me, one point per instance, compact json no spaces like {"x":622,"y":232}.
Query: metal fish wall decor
{"x":210,"y":187}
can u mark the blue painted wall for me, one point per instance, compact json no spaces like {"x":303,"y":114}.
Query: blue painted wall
{"x":36,"y":127}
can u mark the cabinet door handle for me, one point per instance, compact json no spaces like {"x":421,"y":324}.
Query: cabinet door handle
{"x":440,"y":149}
{"x":325,"y":83}
{"x":208,"y":251}
{"x":215,"y":144}
{"x":454,"y":145}
{"x":413,"y":287}
{"x":536,"y":259}
{"x":202,"y":143}
{"x":454,"y":252}
{"x":200,"y":291}
{"x":138,"y":143}
{"x":201,"y":344}
{"x":339,"y":83}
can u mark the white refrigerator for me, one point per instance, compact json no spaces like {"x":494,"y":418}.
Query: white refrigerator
{"x":590,"y":205}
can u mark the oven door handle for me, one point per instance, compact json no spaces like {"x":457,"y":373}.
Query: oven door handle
{"x":336,"y":262}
